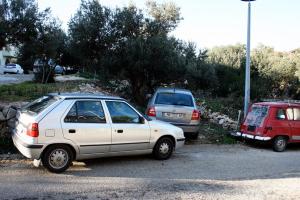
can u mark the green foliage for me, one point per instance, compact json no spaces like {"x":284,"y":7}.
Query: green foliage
{"x":48,"y":43}
{"x":30,"y":90}
{"x":131,"y":44}
{"x":214,"y":134}
{"x":17,"y":21}
{"x":91,"y":34}
{"x":126,"y":44}
{"x":233,"y":55}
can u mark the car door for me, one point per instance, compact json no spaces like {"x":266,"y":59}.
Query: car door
{"x":130,"y":131}
{"x":278,"y":123}
{"x":295,"y":123}
{"x":86,"y":125}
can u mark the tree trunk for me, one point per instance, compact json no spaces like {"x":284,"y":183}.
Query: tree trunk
{"x":138,"y":93}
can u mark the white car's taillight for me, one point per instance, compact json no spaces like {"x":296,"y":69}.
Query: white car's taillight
{"x":33,"y":130}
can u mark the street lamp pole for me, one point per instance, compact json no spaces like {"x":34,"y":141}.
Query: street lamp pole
{"x":247,"y":71}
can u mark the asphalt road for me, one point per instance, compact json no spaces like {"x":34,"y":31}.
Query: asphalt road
{"x":194,"y":172}
{"x":15,"y":78}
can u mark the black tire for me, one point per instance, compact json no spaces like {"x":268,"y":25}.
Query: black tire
{"x":61,"y":152}
{"x":194,"y":136}
{"x":191,"y":136}
{"x":163,"y":148}
{"x":279,"y":143}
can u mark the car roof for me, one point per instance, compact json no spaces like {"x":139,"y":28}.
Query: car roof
{"x":173,"y":90}
{"x":85,"y":96}
{"x":278,"y":104}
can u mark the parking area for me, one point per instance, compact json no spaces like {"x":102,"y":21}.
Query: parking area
{"x":196,"y":171}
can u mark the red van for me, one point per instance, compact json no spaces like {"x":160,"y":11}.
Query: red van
{"x":276,"y":122}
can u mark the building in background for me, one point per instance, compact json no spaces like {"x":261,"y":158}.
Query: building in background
{"x":8,"y":55}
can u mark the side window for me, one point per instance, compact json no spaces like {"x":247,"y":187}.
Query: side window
{"x":289,"y":113}
{"x":296,"y":113}
{"x":120,"y":112}
{"x":72,"y":115}
{"x":86,"y":112}
{"x":280,"y":114}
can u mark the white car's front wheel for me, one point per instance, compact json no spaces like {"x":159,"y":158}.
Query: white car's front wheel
{"x":163,"y":148}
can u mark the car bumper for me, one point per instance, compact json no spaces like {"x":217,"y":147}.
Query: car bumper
{"x":180,"y":143}
{"x":188,"y":128}
{"x":249,"y":136}
{"x":32,"y":151}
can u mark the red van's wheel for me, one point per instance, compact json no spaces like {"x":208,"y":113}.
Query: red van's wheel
{"x":279,"y":143}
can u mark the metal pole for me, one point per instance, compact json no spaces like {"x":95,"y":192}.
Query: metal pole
{"x":247,"y":71}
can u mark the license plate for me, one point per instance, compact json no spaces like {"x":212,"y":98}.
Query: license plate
{"x":173,"y":115}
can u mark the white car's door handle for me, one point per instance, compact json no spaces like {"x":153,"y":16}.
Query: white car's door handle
{"x":72,"y":131}
{"x":120,"y":131}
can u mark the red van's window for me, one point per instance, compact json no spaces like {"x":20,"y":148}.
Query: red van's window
{"x":293,"y":113}
{"x":289,"y":113}
{"x":296,"y":113}
{"x":280,"y":114}
{"x":257,"y":115}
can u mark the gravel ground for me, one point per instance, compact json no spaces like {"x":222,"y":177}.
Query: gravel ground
{"x":14,"y":78}
{"x":194,"y":172}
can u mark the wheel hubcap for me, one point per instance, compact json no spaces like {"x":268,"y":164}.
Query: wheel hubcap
{"x":58,"y":158}
{"x":164,"y":148}
{"x":280,"y":143}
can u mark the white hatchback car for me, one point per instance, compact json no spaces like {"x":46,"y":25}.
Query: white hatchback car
{"x":60,"y":128}
{"x":13,"y":68}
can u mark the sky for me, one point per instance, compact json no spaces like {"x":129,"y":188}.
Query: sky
{"x":210,"y":23}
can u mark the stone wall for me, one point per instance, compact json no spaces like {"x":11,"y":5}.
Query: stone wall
{"x":8,"y":113}
{"x":218,"y":118}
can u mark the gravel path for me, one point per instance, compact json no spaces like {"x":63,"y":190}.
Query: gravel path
{"x":194,"y":172}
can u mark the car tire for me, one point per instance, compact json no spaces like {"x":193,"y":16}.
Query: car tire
{"x":163,"y":148}
{"x":191,"y":136}
{"x":279,"y":144}
{"x":57,"y":158}
{"x":194,"y":136}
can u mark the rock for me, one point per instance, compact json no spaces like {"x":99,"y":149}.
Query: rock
{"x":221,"y":121}
{"x":1,"y":107}
{"x":11,"y":113}
{"x":2,"y":118}
{"x":11,"y":123}
{"x":5,"y":110}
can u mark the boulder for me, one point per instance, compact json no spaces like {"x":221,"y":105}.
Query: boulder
{"x":2,"y":118}
{"x":1,"y":107}
{"x":5,"y":110}
{"x":11,"y":113}
{"x":11,"y":123}
{"x":221,"y":121}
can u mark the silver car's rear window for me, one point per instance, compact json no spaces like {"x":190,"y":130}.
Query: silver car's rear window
{"x":174,"y":99}
{"x":39,"y":104}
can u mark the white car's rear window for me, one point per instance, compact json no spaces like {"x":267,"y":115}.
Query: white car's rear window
{"x":39,"y":104}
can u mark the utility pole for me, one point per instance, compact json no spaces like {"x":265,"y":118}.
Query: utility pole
{"x":247,"y":71}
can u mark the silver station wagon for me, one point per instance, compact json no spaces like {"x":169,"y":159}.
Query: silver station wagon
{"x":60,"y":128}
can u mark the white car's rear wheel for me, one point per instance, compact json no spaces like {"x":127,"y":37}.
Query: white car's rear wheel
{"x":57,"y":158}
